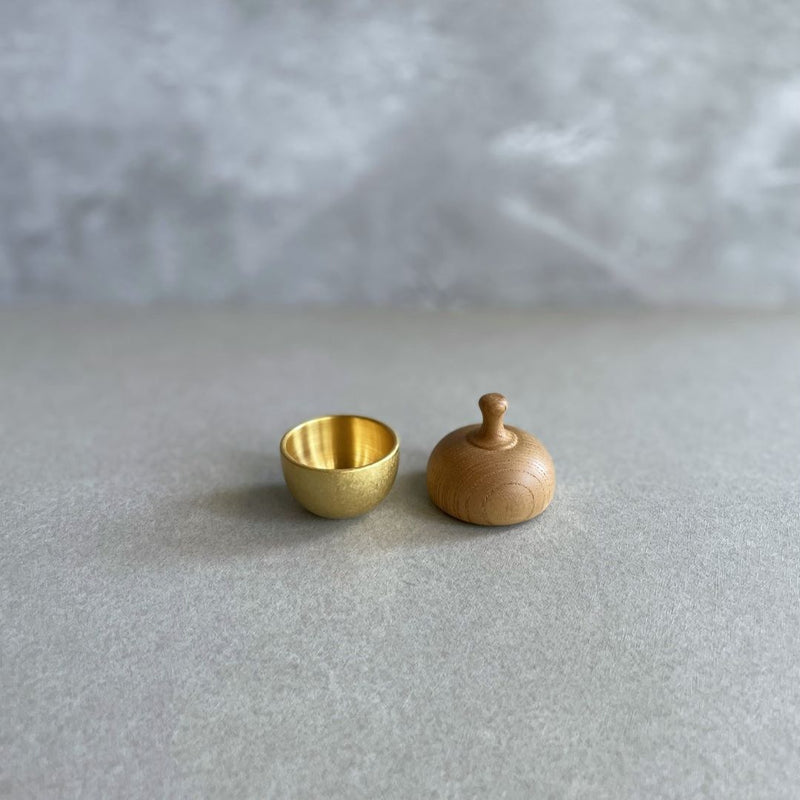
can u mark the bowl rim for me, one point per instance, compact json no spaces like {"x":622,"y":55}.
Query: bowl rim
{"x":391,"y":454}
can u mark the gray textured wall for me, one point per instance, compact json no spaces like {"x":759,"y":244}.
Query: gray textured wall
{"x":432,"y":153}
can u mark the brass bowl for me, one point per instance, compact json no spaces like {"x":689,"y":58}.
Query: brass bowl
{"x":340,"y":466}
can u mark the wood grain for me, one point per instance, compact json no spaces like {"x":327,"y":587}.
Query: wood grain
{"x":491,"y":474}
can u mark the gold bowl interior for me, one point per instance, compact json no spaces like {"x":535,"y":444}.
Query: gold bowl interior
{"x":339,"y":442}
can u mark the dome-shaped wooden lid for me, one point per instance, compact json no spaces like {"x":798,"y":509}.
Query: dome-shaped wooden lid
{"x":491,"y":474}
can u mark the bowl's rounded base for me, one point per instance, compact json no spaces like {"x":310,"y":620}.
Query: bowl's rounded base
{"x":340,"y":494}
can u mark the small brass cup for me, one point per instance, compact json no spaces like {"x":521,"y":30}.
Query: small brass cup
{"x":340,"y":466}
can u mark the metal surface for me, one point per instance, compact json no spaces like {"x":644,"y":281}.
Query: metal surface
{"x":340,"y":466}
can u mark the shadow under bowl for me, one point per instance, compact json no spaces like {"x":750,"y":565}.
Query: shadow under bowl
{"x":340,"y":466}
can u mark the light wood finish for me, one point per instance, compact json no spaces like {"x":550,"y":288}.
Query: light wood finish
{"x":491,"y":474}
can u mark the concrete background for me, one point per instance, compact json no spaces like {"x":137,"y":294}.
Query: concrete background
{"x":427,"y":154}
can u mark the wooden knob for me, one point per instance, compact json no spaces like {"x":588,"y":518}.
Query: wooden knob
{"x":492,"y":434}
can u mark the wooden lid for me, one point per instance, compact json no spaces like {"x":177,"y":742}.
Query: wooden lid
{"x":492,"y":473}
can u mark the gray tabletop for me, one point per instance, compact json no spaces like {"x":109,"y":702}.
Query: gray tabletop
{"x":174,"y":625}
